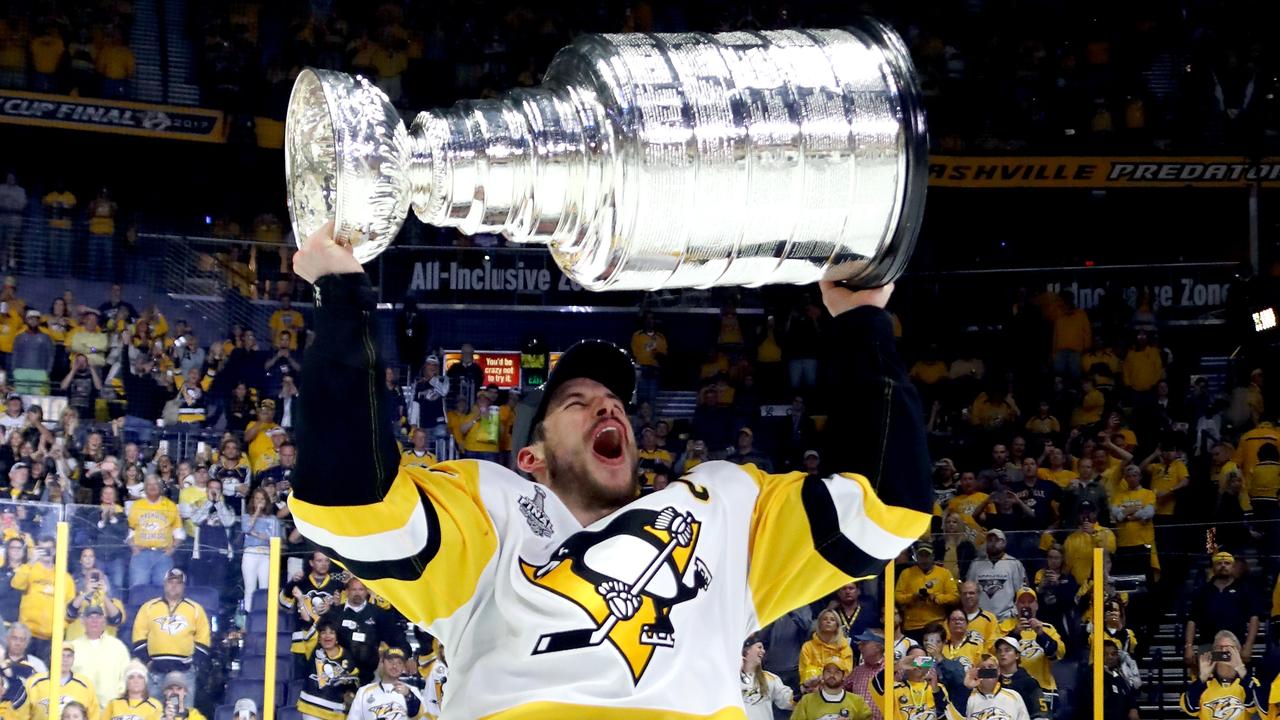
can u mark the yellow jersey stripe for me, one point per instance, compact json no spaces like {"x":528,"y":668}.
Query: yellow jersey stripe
{"x":395,"y":511}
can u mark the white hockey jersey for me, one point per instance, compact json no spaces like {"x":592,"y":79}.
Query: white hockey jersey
{"x":760,"y":701}
{"x":1003,"y":704}
{"x":639,"y":615}
{"x":378,"y":701}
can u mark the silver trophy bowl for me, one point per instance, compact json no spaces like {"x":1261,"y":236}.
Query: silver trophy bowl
{"x":643,"y":161}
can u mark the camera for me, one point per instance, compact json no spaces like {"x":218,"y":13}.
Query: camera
{"x":1222,"y":656}
{"x":988,"y":673}
{"x":924,"y":662}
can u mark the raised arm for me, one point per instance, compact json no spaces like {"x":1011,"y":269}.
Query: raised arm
{"x":420,"y":539}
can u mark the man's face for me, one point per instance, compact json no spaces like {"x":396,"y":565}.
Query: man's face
{"x":468,"y":354}
{"x":968,"y":483}
{"x":1026,"y":605}
{"x":1007,"y":653}
{"x":589,"y":447}
{"x":174,"y":588}
{"x":848,"y":594}
{"x":832,"y":676}
{"x":89,"y":321}
{"x":872,"y":652}
{"x":393,"y":666}
{"x":152,"y":488}
{"x":419,"y":440}
{"x":649,"y":439}
{"x":1029,"y":469}
{"x":1086,"y":469}
{"x":94,"y":625}
{"x":1111,"y":656}
{"x":18,"y":477}
{"x":957,"y":623}
{"x":1222,"y":569}
{"x":744,"y":442}
{"x":213,"y":488}
{"x":320,"y":564}
{"x":969,"y":596}
{"x":17,"y":643}
{"x":1018,"y":446}
{"x":33,"y":323}
{"x":1133,"y":476}
{"x":289,"y":454}
{"x":924,"y":561}
{"x":357,"y":593}
{"x":44,"y":551}
{"x":1220,"y":454}
{"x":999,"y":455}
{"x":1056,"y":458}
{"x":995,"y":546}
{"x":13,"y":407}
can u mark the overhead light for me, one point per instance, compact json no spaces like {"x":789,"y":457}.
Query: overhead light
{"x":1264,"y":320}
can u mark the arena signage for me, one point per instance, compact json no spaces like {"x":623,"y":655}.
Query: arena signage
{"x":501,"y":367}
{"x":497,"y":276}
{"x":1101,"y":172}
{"x":73,"y":113}
{"x":1181,"y":292}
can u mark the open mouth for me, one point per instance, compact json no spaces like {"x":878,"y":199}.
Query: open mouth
{"x":607,"y":442}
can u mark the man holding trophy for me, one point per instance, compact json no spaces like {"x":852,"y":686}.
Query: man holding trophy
{"x":645,"y":161}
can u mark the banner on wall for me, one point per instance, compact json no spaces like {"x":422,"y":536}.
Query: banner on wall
{"x":498,"y":276}
{"x":111,"y":116}
{"x":1101,"y":172}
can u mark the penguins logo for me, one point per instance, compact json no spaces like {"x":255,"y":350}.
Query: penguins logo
{"x":626,"y":577}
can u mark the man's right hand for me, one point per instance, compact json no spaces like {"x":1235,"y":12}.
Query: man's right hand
{"x":320,"y":256}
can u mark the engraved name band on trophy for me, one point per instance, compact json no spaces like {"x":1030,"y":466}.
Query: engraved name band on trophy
{"x":643,"y":161}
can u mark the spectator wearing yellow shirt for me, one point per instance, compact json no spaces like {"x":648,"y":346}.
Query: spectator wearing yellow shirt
{"x":36,"y":579}
{"x":1115,"y":426}
{"x":924,"y":593}
{"x":115,"y":64}
{"x":649,"y":348}
{"x":1053,"y":467}
{"x":59,"y":210}
{"x":1072,"y":335}
{"x":1143,"y":365}
{"x":1100,"y":354}
{"x":47,"y":53}
{"x":993,"y":410}
{"x":155,"y":529}
{"x":968,"y":501}
{"x":1246,"y":455}
{"x":653,"y":459}
{"x":1133,"y":509}
{"x":1263,"y":487}
{"x":1077,"y":549}
{"x":102,"y":231}
{"x":72,"y":690}
{"x":286,"y":318}
{"x":1092,"y":403}
{"x":1044,"y":425}
{"x":507,"y":421}
{"x":481,"y":429}
{"x":261,"y":448}
{"x":1168,"y":476}
{"x":930,"y":375}
{"x":13,"y":53}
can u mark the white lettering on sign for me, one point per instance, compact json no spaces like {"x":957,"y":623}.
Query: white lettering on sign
{"x":1184,"y":292}
{"x":432,"y":276}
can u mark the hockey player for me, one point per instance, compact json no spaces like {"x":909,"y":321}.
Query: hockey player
{"x":582,"y":595}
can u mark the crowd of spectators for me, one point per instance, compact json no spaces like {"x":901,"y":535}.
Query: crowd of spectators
{"x":67,"y":48}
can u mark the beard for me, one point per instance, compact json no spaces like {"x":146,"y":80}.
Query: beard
{"x":568,"y":474}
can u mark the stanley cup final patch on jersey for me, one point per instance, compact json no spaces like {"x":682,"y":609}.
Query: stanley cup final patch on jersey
{"x":535,"y":513}
{"x":626,"y":577}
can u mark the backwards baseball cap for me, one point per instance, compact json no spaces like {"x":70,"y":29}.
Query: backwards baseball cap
{"x":597,"y":360}
{"x":175,"y":574}
{"x":997,"y":532}
{"x":13,"y":396}
{"x":1012,"y":642}
{"x":842,"y":663}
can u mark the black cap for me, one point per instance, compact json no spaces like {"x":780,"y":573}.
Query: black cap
{"x":597,"y":360}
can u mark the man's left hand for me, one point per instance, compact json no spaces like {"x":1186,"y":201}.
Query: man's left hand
{"x":839,"y":299}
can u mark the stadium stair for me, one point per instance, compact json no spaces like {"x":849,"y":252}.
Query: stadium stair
{"x":144,"y":41}
{"x":182,"y":61}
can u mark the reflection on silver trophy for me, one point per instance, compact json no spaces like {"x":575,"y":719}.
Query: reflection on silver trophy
{"x":643,"y":161}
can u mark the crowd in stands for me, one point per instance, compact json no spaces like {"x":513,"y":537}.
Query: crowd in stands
{"x":171,"y":456}
{"x":67,"y":48}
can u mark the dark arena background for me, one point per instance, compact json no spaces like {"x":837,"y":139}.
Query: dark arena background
{"x":1095,"y":288}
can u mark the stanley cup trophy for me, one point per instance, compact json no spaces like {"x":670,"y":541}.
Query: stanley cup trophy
{"x":643,"y":161}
